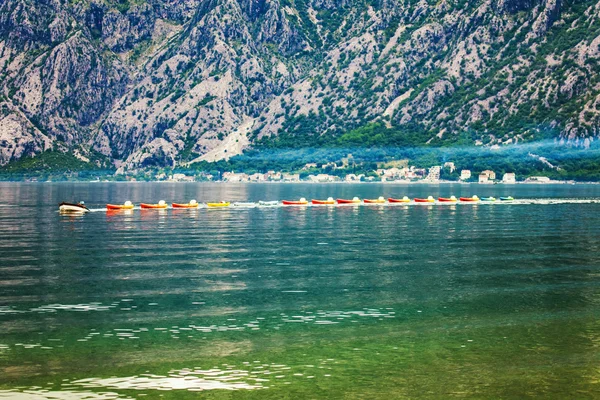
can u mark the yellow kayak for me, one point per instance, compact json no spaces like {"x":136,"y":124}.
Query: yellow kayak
{"x":219,"y":205}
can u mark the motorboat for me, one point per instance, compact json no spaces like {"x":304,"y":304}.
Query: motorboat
{"x":429,"y":199}
{"x":221,"y":204}
{"x":380,"y":200}
{"x":405,"y":199}
{"x":125,"y":206}
{"x":330,"y":201}
{"x":191,"y":204}
{"x":73,"y":207}
{"x":473,"y":199}
{"x":161,"y":205}
{"x":450,"y":199}
{"x":355,"y":200}
{"x":301,"y":202}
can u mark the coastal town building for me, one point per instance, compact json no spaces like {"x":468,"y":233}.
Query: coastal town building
{"x":273,"y":176}
{"x":509,"y":177}
{"x":353,"y":178}
{"x":465,"y":175}
{"x":322,"y":178}
{"x":290,"y":177}
{"x":257,"y":178}
{"x":484,"y":178}
{"x":490,"y":174}
{"x":434,"y":173}
{"x":309,"y":166}
{"x":234,"y":177}
{"x":393,"y":174}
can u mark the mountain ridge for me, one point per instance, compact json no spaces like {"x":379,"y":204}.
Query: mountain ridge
{"x":155,"y":83}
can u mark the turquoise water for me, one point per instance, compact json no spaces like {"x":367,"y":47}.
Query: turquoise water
{"x":418,"y":301}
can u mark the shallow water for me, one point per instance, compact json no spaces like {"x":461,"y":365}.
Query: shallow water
{"x":418,"y":301}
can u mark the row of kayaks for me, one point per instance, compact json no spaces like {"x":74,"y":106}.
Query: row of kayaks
{"x":391,"y":200}
{"x":162,"y":205}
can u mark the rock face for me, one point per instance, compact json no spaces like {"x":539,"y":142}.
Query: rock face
{"x":153,"y":83}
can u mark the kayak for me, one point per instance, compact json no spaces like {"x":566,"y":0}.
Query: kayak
{"x":125,"y":206}
{"x":488,"y":199}
{"x":244,"y":205}
{"x":402,"y":200}
{"x":451,"y":199}
{"x":268,"y":203}
{"x":355,"y":200}
{"x":191,"y":204}
{"x":430,"y":199}
{"x":509,"y":198}
{"x":221,"y":204}
{"x":161,"y":205}
{"x":380,"y":200}
{"x":72,"y":207}
{"x":301,"y":202}
{"x":473,"y":199}
{"x":329,"y":202}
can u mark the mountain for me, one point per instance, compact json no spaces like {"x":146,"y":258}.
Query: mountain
{"x":139,"y":83}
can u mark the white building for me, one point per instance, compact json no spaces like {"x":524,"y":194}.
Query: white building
{"x":233,"y":177}
{"x":509,"y":177}
{"x":291,"y":177}
{"x":465,"y":175}
{"x":257,"y":177}
{"x":434,"y":173}
{"x":322,"y":178}
{"x":484,"y":178}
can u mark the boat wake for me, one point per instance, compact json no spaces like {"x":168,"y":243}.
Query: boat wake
{"x":247,"y":206}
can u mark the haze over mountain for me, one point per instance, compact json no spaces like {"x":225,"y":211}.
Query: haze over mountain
{"x":162,"y":83}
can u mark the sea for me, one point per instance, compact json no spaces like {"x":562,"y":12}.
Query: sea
{"x":434,"y":301}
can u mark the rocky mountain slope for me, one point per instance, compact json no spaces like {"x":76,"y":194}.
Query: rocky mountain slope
{"x":152,"y":83}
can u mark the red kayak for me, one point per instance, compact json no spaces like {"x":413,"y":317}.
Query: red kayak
{"x":374,"y":201}
{"x":191,"y":204}
{"x":427,"y":200}
{"x":470,"y":199}
{"x":447,"y":200}
{"x":324,"y":202}
{"x":301,"y":202}
{"x":404,"y":200}
{"x":115,"y":207}
{"x":355,"y":200}
{"x":161,"y":205}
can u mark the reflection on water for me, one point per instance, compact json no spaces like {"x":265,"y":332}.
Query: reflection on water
{"x":325,"y":302}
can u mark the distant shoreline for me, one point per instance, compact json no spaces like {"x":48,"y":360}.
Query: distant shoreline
{"x":321,"y":183}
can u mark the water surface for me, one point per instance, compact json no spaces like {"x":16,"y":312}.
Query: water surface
{"x":418,"y":301}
